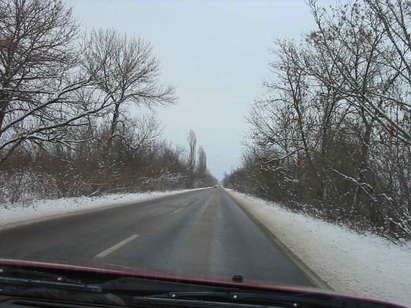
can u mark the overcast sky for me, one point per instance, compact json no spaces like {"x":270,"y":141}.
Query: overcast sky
{"x":215,"y":54}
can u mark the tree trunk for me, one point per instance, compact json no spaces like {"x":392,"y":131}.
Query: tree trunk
{"x":364,"y":161}
{"x":3,"y":106}
{"x":113,"y":127}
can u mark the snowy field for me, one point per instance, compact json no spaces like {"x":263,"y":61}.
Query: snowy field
{"x":354,"y":264}
{"x":42,"y":209}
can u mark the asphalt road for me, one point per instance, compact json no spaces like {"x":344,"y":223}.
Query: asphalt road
{"x":201,"y":234}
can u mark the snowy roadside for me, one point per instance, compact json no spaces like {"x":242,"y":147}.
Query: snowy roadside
{"x":20,"y":213}
{"x":353,"y":264}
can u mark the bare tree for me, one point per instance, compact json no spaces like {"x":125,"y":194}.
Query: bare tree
{"x":38,"y":75}
{"x":202,"y":162}
{"x":356,"y":41}
{"x":137,"y":134}
{"x":192,"y":143}
{"x":128,"y":75}
{"x":395,"y":16}
{"x":35,"y":37}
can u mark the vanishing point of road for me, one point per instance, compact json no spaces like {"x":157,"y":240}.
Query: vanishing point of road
{"x":198,"y":234}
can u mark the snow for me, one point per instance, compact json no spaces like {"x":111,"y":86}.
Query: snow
{"x":24,"y":212}
{"x":362,"y":265}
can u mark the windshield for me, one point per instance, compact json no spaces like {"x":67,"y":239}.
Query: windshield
{"x":257,"y":142}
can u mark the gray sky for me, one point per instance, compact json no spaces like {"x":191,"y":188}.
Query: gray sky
{"x":214,"y":52}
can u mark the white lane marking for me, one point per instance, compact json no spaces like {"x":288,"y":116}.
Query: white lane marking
{"x":110,"y":250}
{"x":176,"y":211}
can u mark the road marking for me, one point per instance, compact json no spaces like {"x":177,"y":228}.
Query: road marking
{"x":176,"y":211}
{"x":106,"y":252}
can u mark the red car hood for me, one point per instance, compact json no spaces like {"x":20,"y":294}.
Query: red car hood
{"x":127,"y":271}
{"x":116,"y":269}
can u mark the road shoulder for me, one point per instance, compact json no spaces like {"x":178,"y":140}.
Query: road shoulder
{"x":259,"y":221}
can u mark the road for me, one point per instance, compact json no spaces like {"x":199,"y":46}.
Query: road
{"x":202,"y":234}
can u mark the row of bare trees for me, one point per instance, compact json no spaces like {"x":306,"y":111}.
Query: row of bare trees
{"x":199,"y":174}
{"x":65,"y":101}
{"x":332,"y":137}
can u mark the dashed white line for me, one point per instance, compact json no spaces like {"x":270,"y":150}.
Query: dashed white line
{"x":110,"y":250}
{"x":176,"y":211}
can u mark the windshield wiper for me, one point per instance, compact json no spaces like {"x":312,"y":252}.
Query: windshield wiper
{"x":149,"y":286}
{"x":124,"y":285}
{"x":35,"y":283}
{"x":276,"y":298}
{"x":47,"y":284}
{"x":287,"y":300}
{"x":34,"y":277}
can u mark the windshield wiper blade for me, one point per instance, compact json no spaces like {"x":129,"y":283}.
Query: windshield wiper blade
{"x":49,"y":286}
{"x":149,"y":286}
{"x":15,"y":281}
{"x":226,"y":297}
{"x":283,"y":299}
{"x":35,"y":277}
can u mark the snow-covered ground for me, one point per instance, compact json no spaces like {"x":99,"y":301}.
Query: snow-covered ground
{"x":354,"y":264}
{"x":43,"y":209}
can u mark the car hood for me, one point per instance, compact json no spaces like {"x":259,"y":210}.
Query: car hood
{"x":117,"y":269}
{"x":128,"y":271}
